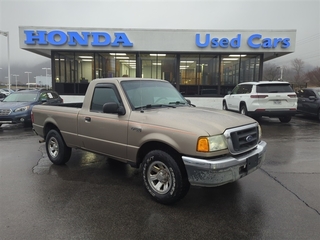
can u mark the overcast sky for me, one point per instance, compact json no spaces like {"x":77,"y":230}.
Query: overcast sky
{"x":302,"y":15}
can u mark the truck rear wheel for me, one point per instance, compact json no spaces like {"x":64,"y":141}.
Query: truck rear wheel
{"x":164,"y":178}
{"x":58,"y":152}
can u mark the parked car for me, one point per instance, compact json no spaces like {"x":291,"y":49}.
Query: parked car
{"x":16,"y":108}
{"x":309,"y":101}
{"x":6,"y":91}
{"x":273,"y":99}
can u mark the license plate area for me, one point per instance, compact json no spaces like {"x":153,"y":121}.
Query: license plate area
{"x":252,"y":162}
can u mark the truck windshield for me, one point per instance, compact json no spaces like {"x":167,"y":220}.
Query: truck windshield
{"x":152,"y":93}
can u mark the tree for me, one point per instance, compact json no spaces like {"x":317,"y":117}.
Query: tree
{"x":298,"y":73}
{"x":271,"y":72}
{"x":313,"y":77}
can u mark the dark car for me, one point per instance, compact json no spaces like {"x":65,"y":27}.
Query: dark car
{"x":16,"y":108}
{"x":309,"y":101}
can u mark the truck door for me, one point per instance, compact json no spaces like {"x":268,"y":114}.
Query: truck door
{"x":309,"y":103}
{"x":102,"y":132}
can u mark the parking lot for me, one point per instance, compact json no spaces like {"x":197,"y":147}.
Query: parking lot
{"x":92,"y":197}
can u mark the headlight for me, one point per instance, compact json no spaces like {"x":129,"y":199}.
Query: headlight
{"x":22,"y":109}
{"x":211,"y":144}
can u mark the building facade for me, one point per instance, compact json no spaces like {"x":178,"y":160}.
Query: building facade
{"x":197,"y":62}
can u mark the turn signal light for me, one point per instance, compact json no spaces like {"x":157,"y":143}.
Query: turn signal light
{"x":203,"y":145}
{"x":292,"y":95}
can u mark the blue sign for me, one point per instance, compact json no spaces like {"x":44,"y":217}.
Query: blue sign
{"x":254,"y":41}
{"x":58,"y":38}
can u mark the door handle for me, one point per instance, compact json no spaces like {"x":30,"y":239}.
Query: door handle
{"x":87,"y":119}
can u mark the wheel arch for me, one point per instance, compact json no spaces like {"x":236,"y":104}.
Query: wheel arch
{"x":155,"y":145}
{"x":49,"y":126}
{"x":242,"y":103}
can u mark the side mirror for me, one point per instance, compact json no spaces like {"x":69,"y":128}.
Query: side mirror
{"x":312,"y":98}
{"x":113,"y":107}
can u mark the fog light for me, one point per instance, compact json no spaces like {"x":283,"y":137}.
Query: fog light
{"x":21,"y":119}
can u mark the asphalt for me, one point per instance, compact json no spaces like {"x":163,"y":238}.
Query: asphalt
{"x":92,"y":197}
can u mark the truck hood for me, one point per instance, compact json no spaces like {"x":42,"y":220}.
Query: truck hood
{"x":193,"y":119}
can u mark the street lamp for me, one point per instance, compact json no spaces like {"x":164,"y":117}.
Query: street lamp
{"x":281,"y":72}
{"x":15,"y":75}
{"x":46,"y":74}
{"x":6,"y":34}
{"x":28,"y":77}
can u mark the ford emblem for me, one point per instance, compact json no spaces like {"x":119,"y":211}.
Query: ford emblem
{"x":249,"y":138}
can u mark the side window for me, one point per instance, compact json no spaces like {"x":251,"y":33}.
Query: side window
{"x":53,"y":95}
{"x":308,"y":93}
{"x":244,"y":89}
{"x":43,"y":97}
{"x":235,"y":90}
{"x":102,"y":95}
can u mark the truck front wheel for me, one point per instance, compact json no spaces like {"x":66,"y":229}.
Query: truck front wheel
{"x":164,"y":178}
{"x":58,"y":152}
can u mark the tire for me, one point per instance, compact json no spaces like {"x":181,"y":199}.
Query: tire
{"x":285,"y":119}
{"x":58,"y":152}
{"x":164,"y":178}
{"x":224,"y":106}
{"x":243,"y":110}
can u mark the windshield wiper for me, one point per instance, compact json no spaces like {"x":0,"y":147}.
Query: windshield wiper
{"x":154,"y":106}
{"x":177,"y":103}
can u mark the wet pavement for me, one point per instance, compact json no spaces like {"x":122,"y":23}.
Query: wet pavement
{"x":95,"y":198}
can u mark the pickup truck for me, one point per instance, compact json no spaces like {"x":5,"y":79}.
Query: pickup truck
{"x":148,"y":124}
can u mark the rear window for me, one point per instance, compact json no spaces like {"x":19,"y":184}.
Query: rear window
{"x":274,"y":88}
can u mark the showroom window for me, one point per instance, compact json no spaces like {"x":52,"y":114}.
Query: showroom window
{"x":191,"y":74}
{"x":199,"y":74}
{"x":158,"y":66}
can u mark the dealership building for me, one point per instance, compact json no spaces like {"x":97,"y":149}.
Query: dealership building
{"x":197,"y":62}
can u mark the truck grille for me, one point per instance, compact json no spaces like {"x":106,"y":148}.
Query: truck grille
{"x":5,"y":112}
{"x":242,"y":139}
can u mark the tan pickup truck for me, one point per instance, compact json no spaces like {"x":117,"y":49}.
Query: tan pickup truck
{"x":148,"y":124}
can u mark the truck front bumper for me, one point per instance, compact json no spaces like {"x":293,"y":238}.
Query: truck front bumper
{"x":219,"y":171}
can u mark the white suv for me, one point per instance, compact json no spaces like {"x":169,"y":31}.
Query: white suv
{"x":265,"y":98}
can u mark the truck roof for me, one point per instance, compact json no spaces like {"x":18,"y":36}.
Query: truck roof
{"x":120,"y":79}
